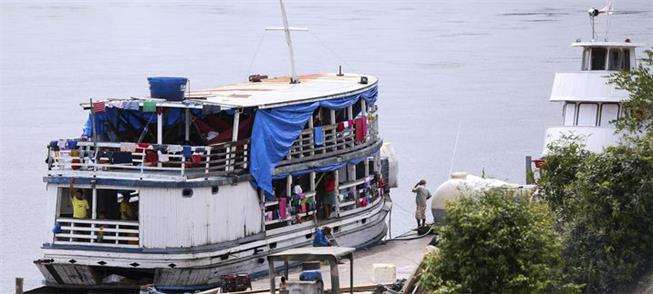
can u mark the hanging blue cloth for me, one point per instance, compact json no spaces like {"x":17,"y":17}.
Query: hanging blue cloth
{"x":318,"y":135}
{"x":187,"y":152}
{"x":276,"y":129}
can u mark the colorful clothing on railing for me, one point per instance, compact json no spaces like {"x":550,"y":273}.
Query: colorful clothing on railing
{"x":318,"y":135}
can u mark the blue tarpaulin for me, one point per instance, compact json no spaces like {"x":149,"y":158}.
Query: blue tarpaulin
{"x":276,"y":129}
{"x":136,"y":119}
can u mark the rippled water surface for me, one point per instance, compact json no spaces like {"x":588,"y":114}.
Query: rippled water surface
{"x":482,"y":68}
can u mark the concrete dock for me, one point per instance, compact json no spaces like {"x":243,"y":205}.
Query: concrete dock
{"x":406,"y":255}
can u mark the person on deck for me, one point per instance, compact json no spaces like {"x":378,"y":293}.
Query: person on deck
{"x":329,"y":199}
{"x":126,"y":208}
{"x":421,"y":195}
{"x":77,"y":200}
{"x":324,"y":238}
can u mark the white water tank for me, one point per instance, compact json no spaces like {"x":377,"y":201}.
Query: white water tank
{"x":461,"y":183}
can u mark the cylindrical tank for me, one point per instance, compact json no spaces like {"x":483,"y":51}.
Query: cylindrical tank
{"x":461,"y":183}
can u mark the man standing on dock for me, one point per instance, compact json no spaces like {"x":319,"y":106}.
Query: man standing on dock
{"x":421,"y":195}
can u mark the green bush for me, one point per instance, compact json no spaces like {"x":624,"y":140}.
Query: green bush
{"x":495,"y":243}
{"x":606,"y":213}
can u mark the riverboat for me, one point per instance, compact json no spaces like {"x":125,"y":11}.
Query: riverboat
{"x":590,"y":103}
{"x":186,"y":186}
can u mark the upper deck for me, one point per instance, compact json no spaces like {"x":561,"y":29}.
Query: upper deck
{"x":210,"y":133}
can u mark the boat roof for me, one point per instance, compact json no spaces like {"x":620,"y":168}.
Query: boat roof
{"x":335,"y":251}
{"x":278,"y":91}
{"x":270,"y":92}
{"x":605,"y":44}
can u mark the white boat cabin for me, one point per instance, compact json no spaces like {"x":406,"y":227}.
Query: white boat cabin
{"x":590,"y":104}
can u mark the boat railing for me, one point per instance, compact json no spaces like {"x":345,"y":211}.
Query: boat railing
{"x":97,"y":232}
{"x":151,"y":159}
{"x":337,"y":140}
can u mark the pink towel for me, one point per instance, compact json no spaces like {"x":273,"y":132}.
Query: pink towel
{"x":282,"y":207}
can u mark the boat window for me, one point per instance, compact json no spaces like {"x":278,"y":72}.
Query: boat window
{"x":111,"y":204}
{"x":598,"y":58}
{"x":625,"y":64}
{"x":614,"y":62}
{"x":587,"y":114}
{"x":586,"y":59}
{"x":609,"y":113}
{"x":569,"y":114}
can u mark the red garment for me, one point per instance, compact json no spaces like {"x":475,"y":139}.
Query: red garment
{"x":360,"y":125}
{"x":340,"y":127}
{"x":151,"y":157}
{"x":330,"y":184}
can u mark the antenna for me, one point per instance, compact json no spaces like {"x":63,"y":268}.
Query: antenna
{"x":287,"y":29}
{"x":593,"y":13}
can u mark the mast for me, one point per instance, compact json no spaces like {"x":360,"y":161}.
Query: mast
{"x":286,"y":29}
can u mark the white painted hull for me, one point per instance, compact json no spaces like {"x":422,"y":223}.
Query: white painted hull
{"x":187,"y":270}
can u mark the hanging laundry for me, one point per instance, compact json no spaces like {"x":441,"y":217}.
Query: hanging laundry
{"x":175,"y":148}
{"x":130,"y":105}
{"x":340,"y":127}
{"x":187,"y":151}
{"x":164,"y":158}
{"x":160,"y":147}
{"x":360,"y":125}
{"x":114,"y":104}
{"x":121,"y":158}
{"x":282,"y":207}
{"x":61,"y":144}
{"x":71,"y":144}
{"x":318,"y":134}
{"x":151,"y":158}
{"x":99,"y":107}
{"x":149,"y":106}
{"x":197,"y":159}
{"x":128,"y":147}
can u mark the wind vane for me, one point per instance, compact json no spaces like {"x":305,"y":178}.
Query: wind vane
{"x":594,"y":12}
{"x":287,"y":29}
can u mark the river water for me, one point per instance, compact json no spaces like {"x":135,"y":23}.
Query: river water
{"x":469,"y":69}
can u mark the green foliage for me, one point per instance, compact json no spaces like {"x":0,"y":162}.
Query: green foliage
{"x":639,"y":84}
{"x":495,"y":243}
{"x":606,"y":213}
{"x":559,"y":171}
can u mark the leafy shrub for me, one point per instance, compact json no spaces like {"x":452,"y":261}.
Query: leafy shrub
{"x":495,"y":243}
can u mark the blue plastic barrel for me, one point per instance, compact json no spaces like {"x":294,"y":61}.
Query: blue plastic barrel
{"x":169,"y":88}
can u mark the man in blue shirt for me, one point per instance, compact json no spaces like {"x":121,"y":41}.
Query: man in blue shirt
{"x":322,"y":237}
